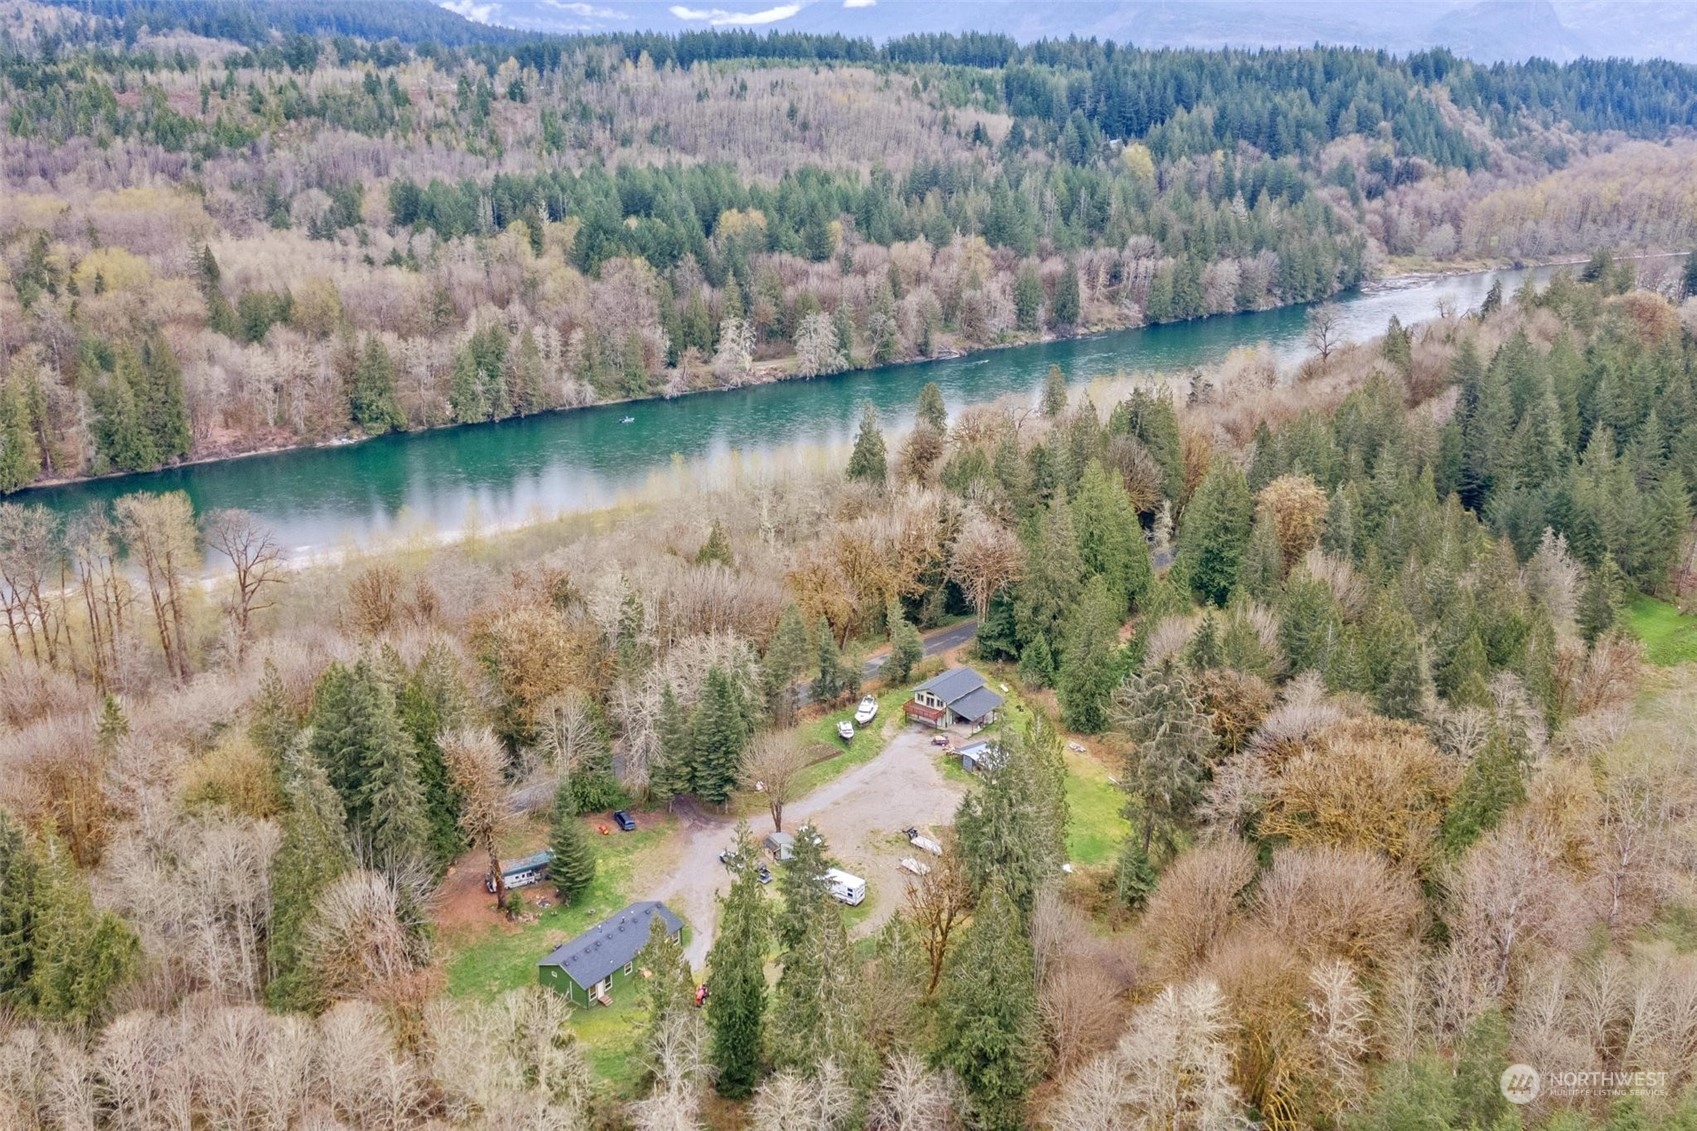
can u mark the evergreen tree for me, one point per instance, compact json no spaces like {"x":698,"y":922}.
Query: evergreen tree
{"x":1087,"y":675}
{"x":736,"y":1007}
{"x":372,"y":403}
{"x":1399,"y":677}
{"x":987,"y":1031}
{"x":868,"y":463}
{"x":1054,"y":392}
{"x":1037,"y":663}
{"x":431,"y":700}
{"x":1167,"y":762}
{"x":1012,"y":825}
{"x":1310,"y":626}
{"x":907,"y":647}
{"x":717,"y":548}
{"x":835,"y":679}
{"x":1028,"y":299}
{"x":20,"y":460}
{"x":1054,"y":576}
{"x":18,"y":870}
{"x":313,"y":854}
{"x":524,"y":376}
{"x":931,"y":408}
{"x":722,"y":732}
{"x":673,"y":771}
{"x":573,"y":868}
{"x":670,"y":988}
{"x":1214,"y":535}
{"x":781,"y":667}
{"x":819,"y":1006}
{"x":1601,"y":599}
{"x":80,"y":954}
{"x":802,"y":887}
{"x":1493,"y":783}
{"x":1064,"y":307}
{"x":1110,"y":539}
{"x":358,"y":739}
{"x":164,"y":407}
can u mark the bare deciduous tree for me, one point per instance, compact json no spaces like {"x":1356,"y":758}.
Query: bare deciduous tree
{"x":159,"y":531}
{"x":1325,"y":330}
{"x":360,"y":939}
{"x":938,"y":903}
{"x":771,"y":766}
{"x":984,"y":558}
{"x":477,"y":766}
{"x":912,"y":1097}
{"x":255,"y":557}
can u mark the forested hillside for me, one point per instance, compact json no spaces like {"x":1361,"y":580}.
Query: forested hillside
{"x":227,"y":227}
{"x":1366,"y":787}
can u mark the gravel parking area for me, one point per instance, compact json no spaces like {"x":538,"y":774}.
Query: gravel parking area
{"x":862,"y":815}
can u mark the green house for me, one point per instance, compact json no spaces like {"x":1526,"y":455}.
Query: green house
{"x":591,"y":966}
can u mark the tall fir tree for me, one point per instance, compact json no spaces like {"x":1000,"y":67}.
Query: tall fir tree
{"x":1214,"y":532}
{"x":1088,"y":670}
{"x":369,"y":759}
{"x":931,"y":408}
{"x":672,"y":773}
{"x":722,"y":732}
{"x":987,"y":1030}
{"x":573,"y":867}
{"x":314,"y":853}
{"x":372,"y":402}
{"x":17,"y":915}
{"x":736,"y":1007}
{"x":80,"y":954}
{"x":1110,"y":538}
{"x":782,"y":666}
{"x":869,"y":462}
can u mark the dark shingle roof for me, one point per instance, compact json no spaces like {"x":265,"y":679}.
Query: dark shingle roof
{"x":953,"y":684}
{"x":976,"y":704}
{"x":611,"y":943}
{"x":526,"y":864}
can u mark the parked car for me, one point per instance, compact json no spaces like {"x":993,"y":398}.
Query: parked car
{"x":763,"y":874}
{"x":728,"y":857}
{"x":623,"y":819}
{"x":867,"y":710}
{"x":940,"y":740}
{"x":845,"y":731}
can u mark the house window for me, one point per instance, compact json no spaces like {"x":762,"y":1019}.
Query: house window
{"x":630,"y":967}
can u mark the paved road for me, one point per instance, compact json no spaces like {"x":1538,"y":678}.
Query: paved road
{"x":936,"y":643}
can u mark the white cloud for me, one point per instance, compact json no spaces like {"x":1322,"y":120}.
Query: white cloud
{"x":860,"y":3}
{"x":471,"y":10}
{"x":587,"y":11}
{"x":718,"y":17}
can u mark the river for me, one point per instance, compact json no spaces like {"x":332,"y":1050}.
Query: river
{"x":491,"y":475}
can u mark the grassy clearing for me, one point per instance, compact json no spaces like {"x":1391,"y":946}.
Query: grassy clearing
{"x":1669,"y":638}
{"x":502,"y":956}
{"x":612,"y":1039}
{"x":1095,"y":828}
{"x":858,"y":751}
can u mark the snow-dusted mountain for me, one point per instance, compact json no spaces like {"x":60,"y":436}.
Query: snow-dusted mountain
{"x":1488,"y":31}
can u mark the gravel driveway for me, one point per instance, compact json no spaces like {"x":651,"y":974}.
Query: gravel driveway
{"x":861,"y":815}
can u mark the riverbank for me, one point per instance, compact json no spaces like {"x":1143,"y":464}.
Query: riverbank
{"x":522,"y":470}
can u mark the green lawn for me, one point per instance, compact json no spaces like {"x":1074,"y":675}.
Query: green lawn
{"x":1668,"y":637}
{"x":1095,"y":829}
{"x":503,"y":956}
{"x":857,"y":751}
{"x":612,"y":1039}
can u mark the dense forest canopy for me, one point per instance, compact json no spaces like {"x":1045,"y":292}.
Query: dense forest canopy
{"x":1344,"y":753}
{"x":231,"y":226}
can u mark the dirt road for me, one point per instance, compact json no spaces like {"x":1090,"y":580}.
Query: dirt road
{"x":861,"y":815}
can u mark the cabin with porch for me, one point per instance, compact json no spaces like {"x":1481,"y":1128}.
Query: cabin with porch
{"x":959,"y":695}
